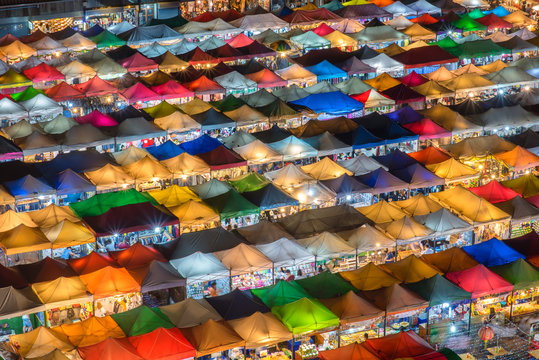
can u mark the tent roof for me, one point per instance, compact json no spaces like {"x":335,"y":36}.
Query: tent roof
{"x":206,"y":241}
{"x":61,"y":291}
{"x":39,"y":342}
{"x":110,"y":349}
{"x":325,"y":169}
{"x":265,"y":232}
{"x":243,"y":259}
{"x":18,"y":302}
{"x":437,"y":290}
{"x":141,"y":320}
{"x":332,"y":103}
{"x":136,"y":256}
{"x":450,"y":260}
{"x":493,"y":252}
{"x":285,"y":252}
{"x":305,"y":315}
{"x":480,"y":281}
{"x":207,"y":268}
{"x":325,"y":285}
{"x":190,"y":312}
{"x":283,"y":292}
{"x":237,"y":304}
{"x":351,"y":351}
{"x":452,"y":170}
{"x":211,"y":337}
{"x":526,"y":185}
{"x":400,"y":345}
{"x":260,"y":329}
{"x":368,"y":277}
{"x":519,"y":273}
{"x":444,"y":222}
{"x":494,"y":192}
{"x":410,"y":269}
{"x":162,"y":343}
{"x":101,"y":203}
{"x":395,"y":298}
{"x":91,"y":262}
{"x":109,"y":281}
{"x":91,"y":331}
{"x":382,"y":181}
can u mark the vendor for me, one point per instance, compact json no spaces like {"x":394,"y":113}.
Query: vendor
{"x":289,"y":276}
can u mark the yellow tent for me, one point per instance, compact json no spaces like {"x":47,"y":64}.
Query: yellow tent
{"x":131,"y":155}
{"x":440,"y":74}
{"x":53,"y":355}
{"x":468,"y":82}
{"x":369,"y":277}
{"x":91,"y":331}
{"x":519,"y":19}
{"x":382,"y":82}
{"x":432,"y":89}
{"x":16,"y":50}
{"x":195,"y":106}
{"x":23,"y":239}
{"x":355,"y":2}
{"x":418,"y":205}
{"x":11,"y":219}
{"x":493,"y":66}
{"x":260,"y":330}
{"x":382,"y":212}
{"x":171,"y":63}
{"x":52,"y":215}
{"x":473,"y":208}
{"x":309,"y":6}
{"x":391,"y":50}
{"x":177,"y":121}
{"x":415,"y":44}
{"x":174,"y":195}
{"x":289,"y":176}
{"x":246,"y":115}
{"x":470,"y":68}
{"x":61,"y":292}
{"x":5,"y":197}
{"x":194,"y":213}
{"x":109,"y":177}
{"x":185,"y":165}
{"x":410,"y":269}
{"x":518,"y":159}
{"x":452,"y":171}
{"x":67,"y":233}
{"x":325,"y":169}
{"x":256,"y":152}
{"x":147,"y":169}
{"x":39,"y":342}
{"x":338,"y":39}
{"x":418,"y":32}
{"x":405,"y":229}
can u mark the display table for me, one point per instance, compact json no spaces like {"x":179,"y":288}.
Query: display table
{"x":496,"y":351}
{"x":467,"y":356}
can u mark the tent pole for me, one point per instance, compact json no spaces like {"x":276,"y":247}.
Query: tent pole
{"x":470,"y":316}
{"x":385,"y":323}
{"x":230,"y":278}
{"x":356,"y":258}
{"x":273,"y":274}
{"x":428,"y":324}
{"x":512,"y":302}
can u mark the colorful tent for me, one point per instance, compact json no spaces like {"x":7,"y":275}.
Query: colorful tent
{"x":141,"y":320}
{"x":494,"y":192}
{"x":480,"y":281}
{"x":305,"y":315}
{"x":350,"y":351}
{"x":237,"y":304}
{"x":212,"y":337}
{"x":163,"y":343}
{"x":450,"y":260}
{"x":395,"y":299}
{"x":401,"y":345}
{"x":283,"y":292}
{"x":91,"y":331}
{"x":493,"y":252}
{"x":109,"y":281}
{"x":519,"y":273}
{"x":190,"y":312}
{"x":110,"y":349}
{"x":437,"y":290}
{"x":368,"y":277}
{"x":39,"y":342}
{"x":410,"y":269}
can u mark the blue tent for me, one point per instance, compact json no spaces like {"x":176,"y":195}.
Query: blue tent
{"x":385,"y":128}
{"x":270,"y":197}
{"x":382,"y":182}
{"x":78,"y":161}
{"x":396,"y":160}
{"x":285,"y":10}
{"x":405,"y":115}
{"x":332,"y":103}
{"x":346,"y":185}
{"x":493,"y":252}
{"x":27,"y":187}
{"x":69,"y":182}
{"x":418,"y":177}
{"x":237,"y":304}
{"x":165,"y":151}
{"x":361,"y":138}
{"x":325,"y":70}
{"x":201,"y":145}
{"x":93,"y":31}
{"x":499,"y":11}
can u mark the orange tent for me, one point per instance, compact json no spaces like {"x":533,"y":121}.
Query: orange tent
{"x":450,"y":260}
{"x":91,"y":262}
{"x":354,"y":351}
{"x":136,"y":256}
{"x":518,"y":158}
{"x":368,"y":277}
{"x":110,"y":349}
{"x":110,"y":281}
{"x":39,"y":342}
{"x":381,"y":3}
{"x":430,"y":155}
{"x":91,"y":331}
{"x":212,"y":337}
{"x":163,"y":344}
{"x":402,"y":345}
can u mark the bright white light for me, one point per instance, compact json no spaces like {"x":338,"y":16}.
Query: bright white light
{"x":444,"y":305}
{"x":157,"y":229}
{"x":348,"y":197}
{"x":452,"y":328}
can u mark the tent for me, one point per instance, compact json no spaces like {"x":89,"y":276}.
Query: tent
{"x":237,"y":304}
{"x":270,"y":197}
{"x":453,"y":171}
{"x":190,"y":312}
{"x":395,"y":299}
{"x":109,"y":281}
{"x":327,"y":144}
{"x":265,"y":232}
{"x":243,"y":259}
{"x":91,"y":331}
{"x":39,"y":342}
{"x":494,"y":192}
{"x":293,"y":148}
{"x":366,"y":238}
{"x":519,"y":273}
{"x":325,"y":169}
{"x":91,"y":262}
{"x":382,"y":212}
{"x":62,"y":291}
{"x":479,"y":281}
{"x":368,"y":277}
{"x":450,"y":260}
{"x":429,"y":156}
{"x":141,"y":320}
{"x":331,"y":103}
{"x":493,"y":252}
{"x":110,"y":349}
{"x":443,"y":222}
{"x":381,"y":181}
{"x":283,"y":292}
{"x":325,"y":285}
{"x":437,"y":290}
{"x":257,"y":152}
{"x":77,"y":42}
{"x":285,"y":252}
{"x":136,"y":256}
{"x":361,"y":164}
{"x":305,"y":315}
{"x":401,"y":345}
{"x":208,"y":267}
{"x":211,"y":337}
{"x":16,"y":50}
{"x":526,"y":185}
{"x":43,"y":73}
{"x":518,"y":159}
{"x":231,"y":204}
{"x":410,"y":269}
{"x":350,"y":351}
{"x":163,"y":343}
{"x":18,"y":302}
{"x":205,"y":241}
{"x":399,"y":9}
{"x":260,"y":330}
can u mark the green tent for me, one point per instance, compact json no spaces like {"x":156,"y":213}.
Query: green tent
{"x":141,"y":320}
{"x":519,"y":273}
{"x":232,"y":205}
{"x":107,"y":39}
{"x":229,"y":103}
{"x":476,"y":14}
{"x":466,"y":23}
{"x":249,"y":182}
{"x":449,"y":354}
{"x":161,"y":110}
{"x":277,"y":110}
{"x":172,"y":22}
{"x":438,"y":290}
{"x":26,"y":94}
{"x":477,"y":49}
{"x":305,"y":315}
{"x":101,"y":203}
{"x":333,"y":5}
{"x":284,"y":292}
{"x":445,"y":43}
{"x":325,"y":285}
{"x":12,"y":79}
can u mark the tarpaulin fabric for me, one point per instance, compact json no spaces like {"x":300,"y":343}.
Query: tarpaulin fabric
{"x":212,"y":337}
{"x":401,"y":345}
{"x":39,"y":342}
{"x":519,"y":273}
{"x":494,"y":192}
{"x":200,"y":267}
{"x":110,"y":349}
{"x":231,"y":204}
{"x":450,"y":260}
{"x":164,"y":344}
{"x":480,"y":281}
{"x":91,"y":262}
{"x":265,"y":232}
{"x":526,"y":185}
{"x":18,"y":302}
{"x":260,"y":329}
{"x":283,"y":292}
{"x":331,"y":103}
{"x":350,"y":351}
{"x":443,"y":222}
{"x":136,"y":256}
{"x":43,"y":72}
{"x":141,"y":320}
{"x":381,"y":181}
{"x":410,"y":269}
{"x":101,"y":203}
{"x":237,"y":304}
{"x":368,"y":277}
{"x":257,"y":152}
{"x":109,"y":281}
{"x":190,"y":312}
{"x":395,"y":299}
{"x":91,"y":331}
{"x":493,"y":252}
{"x":325,"y":285}
{"x":437,"y":290}
{"x":305,"y":315}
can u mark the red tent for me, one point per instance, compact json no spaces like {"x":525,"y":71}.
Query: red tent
{"x":310,"y":16}
{"x":204,"y":17}
{"x":35,"y":36}
{"x":479,"y":281}
{"x":425,"y":19}
{"x":97,"y":119}
{"x":425,"y":56}
{"x":63,"y":92}
{"x":198,"y":57}
{"x":227,"y":15}
{"x":203,"y":85}
{"x":222,"y":158}
{"x":354,"y":351}
{"x":139,"y":92}
{"x":413,"y":79}
{"x":402,"y":94}
{"x":96,"y":87}
{"x":7,"y":39}
{"x":226,"y":53}
{"x":110,"y":349}
{"x":91,"y":262}
{"x":494,"y":192}
{"x":402,"y":345}
{"x":240,"y":40}
{"x":323,"y":30}
{"x":427,"y":129}
{"x":430,"y":155}
{"x":172,"y":90}
{"x":266,"y":79}
{"x":136,"y":256}
{"x":163,"y":344}
{"x":138,"y":62}
{"x":43,"y":72}
{"x":256,"y":49}
{"x":493,"y":22}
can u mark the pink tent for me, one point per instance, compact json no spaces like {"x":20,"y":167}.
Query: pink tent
{"x":172,"y":90}
{"x":139,"y":92}
{"x":138,"y":62}
{"x":97,"y":119}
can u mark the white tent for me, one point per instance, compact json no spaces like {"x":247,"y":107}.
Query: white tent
{"x":366,"y":238}
{"x":77,"y":70}
{"x":10,"y":110}
{"x":77,"y":42}
{"x":259,"y":23}
{"x":296,"y":74}
{"x":327,"y":246}
{"x":42,"y":106}
{"x":383,"y":63}
{"x":293,"y":148}
{"x":399,"y":23}
{"x":285,"y":253}
{"x":312,"y":195}
{"x":121,"y":27}
{"x":200,"y":267}
{"x":256,"y":152}
{"x":236,"y":82}
{"x":243,"y":259}
{"x":399,"y":9}
{"x":47,"y":46}
{"x":177,"y":122}
{"x":288,"y":176}
{"x":361,"y":165}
